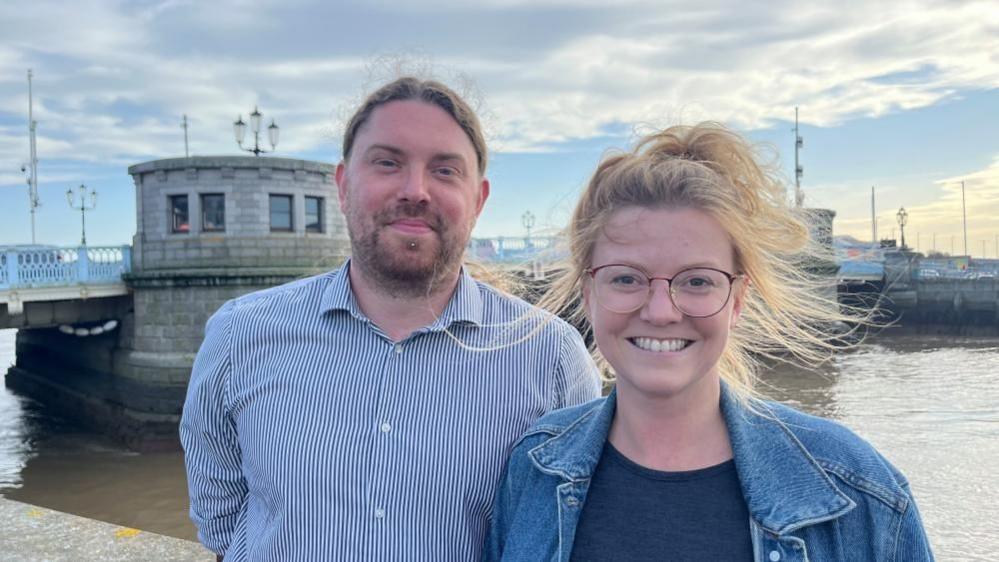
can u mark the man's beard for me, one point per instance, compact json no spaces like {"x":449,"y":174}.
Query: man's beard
{"x":401,"y":267}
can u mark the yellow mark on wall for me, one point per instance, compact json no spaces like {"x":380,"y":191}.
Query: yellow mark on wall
{"x":36,"y":513}
{"x":126,"y":533}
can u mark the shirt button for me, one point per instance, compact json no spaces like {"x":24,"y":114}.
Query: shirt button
{"x":379,"y":513}
{"x":398,"y":348}
{"x":774,"y":556}
{"x":385,"y":427}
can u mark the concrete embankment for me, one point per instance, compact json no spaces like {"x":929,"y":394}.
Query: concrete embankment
{"x":35,"y":533}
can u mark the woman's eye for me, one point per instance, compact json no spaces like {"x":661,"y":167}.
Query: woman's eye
{"x":624,"y":280}
{"x":699,"y":282}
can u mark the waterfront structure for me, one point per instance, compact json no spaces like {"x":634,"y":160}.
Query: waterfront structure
{"x":109,"y":335}
{"x":208,"y":229}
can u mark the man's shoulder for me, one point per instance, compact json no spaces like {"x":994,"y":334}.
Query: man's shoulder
{"x":300,"y":293}
{"x":500,"y":306}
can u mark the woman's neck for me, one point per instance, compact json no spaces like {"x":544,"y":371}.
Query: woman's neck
{"x":671,"y":433}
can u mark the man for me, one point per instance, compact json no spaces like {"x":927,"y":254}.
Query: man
{"x":366,"y":414}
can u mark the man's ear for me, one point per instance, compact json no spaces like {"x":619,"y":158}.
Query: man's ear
{"x":483,"y":195}
{"x":341,"y":185}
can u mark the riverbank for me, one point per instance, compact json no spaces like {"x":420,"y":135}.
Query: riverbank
{"x":36,"y":533}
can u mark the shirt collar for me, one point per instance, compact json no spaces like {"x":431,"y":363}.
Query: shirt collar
{"x":465,"y":304}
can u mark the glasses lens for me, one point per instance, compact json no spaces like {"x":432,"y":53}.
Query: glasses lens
{"x":700,"y":292}
{"x":620,"y":288}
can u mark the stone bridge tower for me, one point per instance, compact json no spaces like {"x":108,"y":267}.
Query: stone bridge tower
{"x":209,"y":229}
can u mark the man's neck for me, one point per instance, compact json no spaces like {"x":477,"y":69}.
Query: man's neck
{"x":400,"y":313}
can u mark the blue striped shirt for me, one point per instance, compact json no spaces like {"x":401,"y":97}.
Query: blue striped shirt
{"x":310,"y":435}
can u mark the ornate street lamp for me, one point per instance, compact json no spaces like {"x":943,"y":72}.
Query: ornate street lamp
{"x":239,"y":128}
{"x":903,"y":219}
{"x":528,"y":220}
{"x":83,"y":207}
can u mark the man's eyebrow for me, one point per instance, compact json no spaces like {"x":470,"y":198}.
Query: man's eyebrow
{"x":386,"y":147}
{"x":444,"y":156}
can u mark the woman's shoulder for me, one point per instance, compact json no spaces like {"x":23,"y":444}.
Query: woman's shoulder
{"x":557,"y":422}
{"x":839,"y":450}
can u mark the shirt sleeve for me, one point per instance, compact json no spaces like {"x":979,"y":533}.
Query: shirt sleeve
{"x":577,"y":377}
{"x":211,"y":448}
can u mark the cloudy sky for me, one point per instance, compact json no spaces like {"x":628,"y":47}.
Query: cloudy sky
{"x":900,"y":95}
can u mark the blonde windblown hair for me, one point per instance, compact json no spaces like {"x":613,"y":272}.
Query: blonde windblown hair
{"x":707,"y":167}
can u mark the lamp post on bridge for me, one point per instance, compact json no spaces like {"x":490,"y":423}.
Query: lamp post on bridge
{"x":528,"y":219}
{"x":239,"y":129}
{"x":83,"y":207}
{"x":903,"y":219}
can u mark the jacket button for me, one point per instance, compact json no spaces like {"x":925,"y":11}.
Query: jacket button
{"x":774,"y":556}
{"x":571,"y":501}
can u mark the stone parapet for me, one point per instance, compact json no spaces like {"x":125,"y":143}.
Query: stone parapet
{"x":36,"y":533}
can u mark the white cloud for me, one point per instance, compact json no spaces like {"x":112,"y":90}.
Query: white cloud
{"x":113,"y":78}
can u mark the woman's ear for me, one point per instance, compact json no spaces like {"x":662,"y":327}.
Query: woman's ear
{"x":738,"y":298}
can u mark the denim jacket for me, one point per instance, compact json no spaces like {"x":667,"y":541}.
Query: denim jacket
{"x":815,"y":490}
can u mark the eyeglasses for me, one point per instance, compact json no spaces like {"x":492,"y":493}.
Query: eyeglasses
{"x":698,"y":292}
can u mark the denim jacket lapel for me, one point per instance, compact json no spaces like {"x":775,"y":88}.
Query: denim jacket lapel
{"x":783,"y":485}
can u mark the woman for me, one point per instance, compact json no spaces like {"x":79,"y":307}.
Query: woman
{"x":687,"y":260}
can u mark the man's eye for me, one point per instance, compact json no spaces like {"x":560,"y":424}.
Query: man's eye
{"x":446,"y":171}
{"x":385,"y":163}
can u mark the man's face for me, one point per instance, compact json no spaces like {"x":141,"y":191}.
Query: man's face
{"x":411,"y":193}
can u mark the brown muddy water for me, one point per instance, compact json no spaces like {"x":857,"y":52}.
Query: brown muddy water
{"x":930,"y":404}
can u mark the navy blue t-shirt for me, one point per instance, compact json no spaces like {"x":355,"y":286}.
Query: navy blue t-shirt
{"x":636,"y":513}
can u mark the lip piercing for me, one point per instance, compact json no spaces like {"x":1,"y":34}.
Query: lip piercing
{"x":412,"y":245}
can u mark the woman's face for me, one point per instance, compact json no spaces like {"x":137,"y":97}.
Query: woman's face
{"x":656,"y":350}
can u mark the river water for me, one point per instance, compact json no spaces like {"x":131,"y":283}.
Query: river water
{"x":929,"y":404}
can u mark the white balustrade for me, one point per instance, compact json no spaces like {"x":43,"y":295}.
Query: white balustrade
{"x":48,"y":267}
{"x":513,"y":249}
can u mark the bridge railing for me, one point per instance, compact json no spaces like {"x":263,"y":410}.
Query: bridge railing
{"x":508,"y":249}
{"x":46,"y":267}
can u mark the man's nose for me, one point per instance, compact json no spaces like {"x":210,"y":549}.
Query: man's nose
{"x":659,"y":309}
{"x":415,"y":187}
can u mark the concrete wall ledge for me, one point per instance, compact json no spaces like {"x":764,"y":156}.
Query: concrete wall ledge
{"x":36,"y":533}
{"x":262,"y":277}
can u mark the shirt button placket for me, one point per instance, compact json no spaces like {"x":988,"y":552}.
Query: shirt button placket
{"x":385,"y":429}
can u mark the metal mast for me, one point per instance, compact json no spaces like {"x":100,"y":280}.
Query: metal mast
{"x":184,"y":126}
{"x":799,"y":143}
{"x":33,"y":202}
{"x":964,"y":213}
{"x":874,"y":221}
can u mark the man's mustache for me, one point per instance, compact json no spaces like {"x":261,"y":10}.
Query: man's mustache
{"x":410,"y":210}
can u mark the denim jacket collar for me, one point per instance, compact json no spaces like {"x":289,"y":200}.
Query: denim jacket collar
{"x":574,"y":451}
{"x":785,"y":488}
